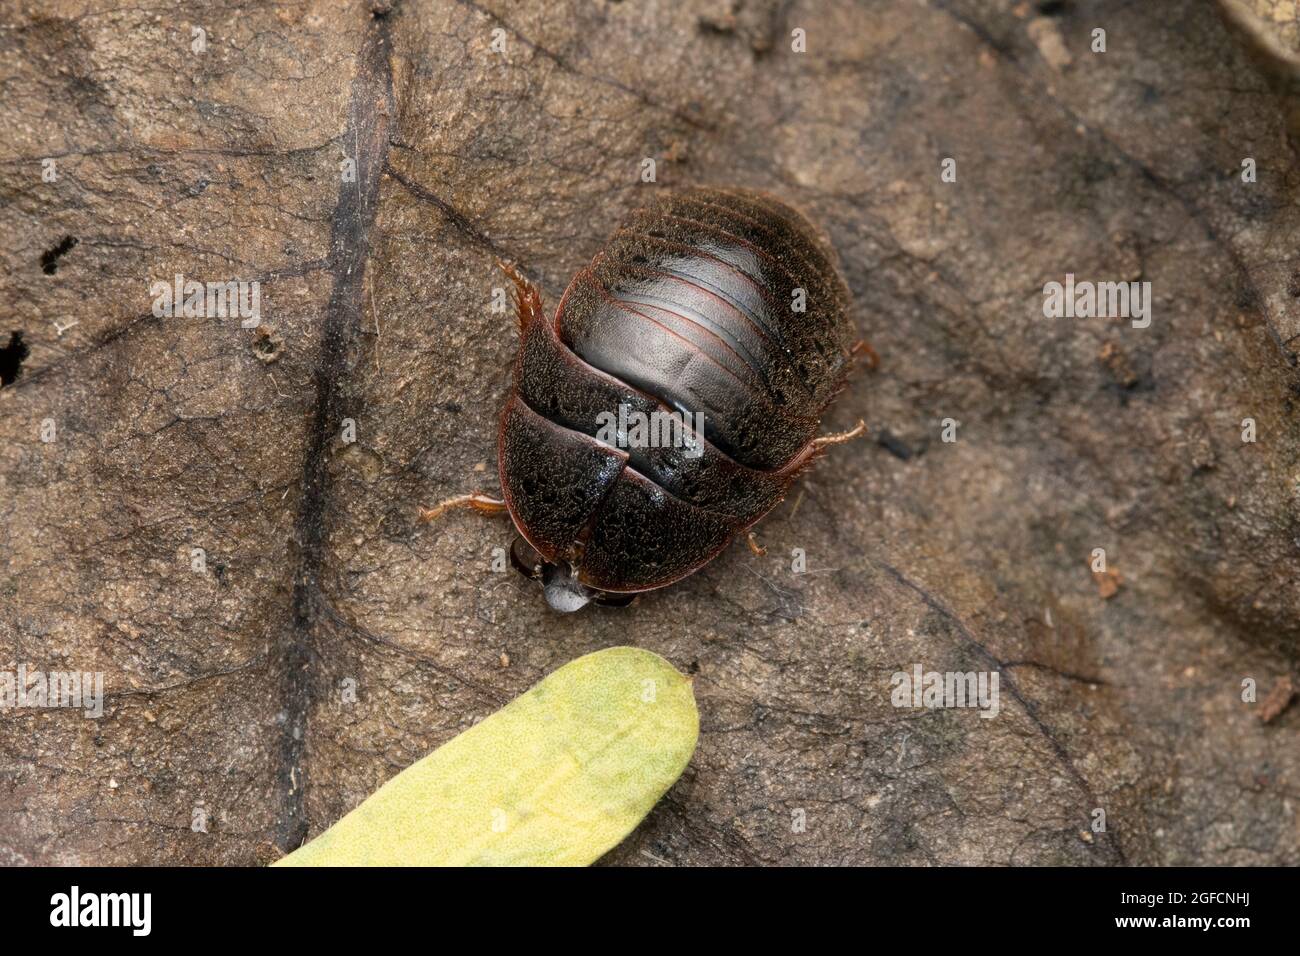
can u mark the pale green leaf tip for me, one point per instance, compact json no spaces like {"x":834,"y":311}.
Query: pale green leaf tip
{"x":558,"y":776}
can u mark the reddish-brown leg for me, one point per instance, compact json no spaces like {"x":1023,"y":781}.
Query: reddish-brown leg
{"x":528,"y":298}
{"x":483,"y":504}
{"x":863,"y":348}
{"x":754,"y":546}
{"x":840,"y":438}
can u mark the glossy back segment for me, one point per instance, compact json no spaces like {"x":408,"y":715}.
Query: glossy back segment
{"x":691,"y":302}
{"x":648,"y":354}
{"x":553,"y":381}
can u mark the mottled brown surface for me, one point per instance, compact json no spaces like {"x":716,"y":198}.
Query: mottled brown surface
{"x":1074,"y":434}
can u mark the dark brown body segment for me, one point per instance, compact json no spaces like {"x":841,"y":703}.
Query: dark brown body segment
{"x":687,"y":308}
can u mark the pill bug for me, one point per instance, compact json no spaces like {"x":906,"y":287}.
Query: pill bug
{"x":718,"y":309}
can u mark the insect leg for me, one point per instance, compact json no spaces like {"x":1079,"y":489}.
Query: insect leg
{"x":754,"y":546}
{"x":483,"y":504}
{"x":840,"y":438}
{"x":864,"y":348}
{"x":528,"y":298}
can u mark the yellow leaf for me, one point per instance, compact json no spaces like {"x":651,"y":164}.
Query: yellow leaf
{"x":557,"y":777}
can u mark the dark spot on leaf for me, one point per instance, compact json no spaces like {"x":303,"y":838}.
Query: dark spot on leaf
{"x":719,"y":24}
{"x":453,"y":407}
{"x":1094,"y":169}
{"x":50,"y":257}
{"x":11,"y":358}
{"x":894,"y":445}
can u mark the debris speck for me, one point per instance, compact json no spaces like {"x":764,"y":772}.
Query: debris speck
{"x":1107,"y":583}
{"x":1051,"y":45}
{"x":1277,"y":701}
{"x":267,"y":344}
